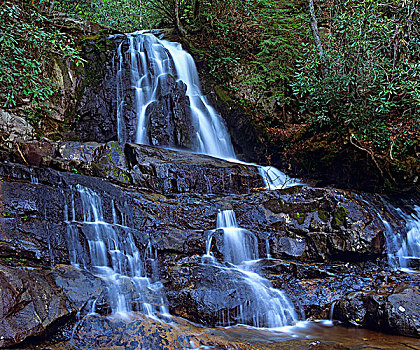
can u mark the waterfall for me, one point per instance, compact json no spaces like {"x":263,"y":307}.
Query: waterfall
{"x":409,"y":253}
{"x":274,"y":179}
{"x":113,"y":256}
{"x":268,"y":306}
{"x":151,"y":62}
{"x":213,"y":137}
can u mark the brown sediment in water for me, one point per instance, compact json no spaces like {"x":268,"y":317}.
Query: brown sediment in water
{"x":141,"y":332}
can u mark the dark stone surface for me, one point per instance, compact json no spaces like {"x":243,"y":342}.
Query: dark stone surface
{"x":96,"y":104}
{"x":170,"y":122}
{"x":327,"y":235}
{"x":80,"y":286}
{"x":331,"y":225}
{"x":395,"y":309}
{"x":30,"y":303}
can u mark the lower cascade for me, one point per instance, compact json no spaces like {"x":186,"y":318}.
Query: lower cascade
{"x":113,"y":256}
{"x":266,"y":306}
{"x":409,"y":253}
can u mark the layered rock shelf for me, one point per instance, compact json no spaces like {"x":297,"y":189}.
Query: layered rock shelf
{"x":326,"y":247}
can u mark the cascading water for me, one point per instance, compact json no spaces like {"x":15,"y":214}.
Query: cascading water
{"x":269,"y":307}
{"x":150,"y":61}
{"x":403,"y":236}
{"x":113,"y":256}
{"x":213,"y":137}
{"x":410,"y":248}
{"x":274,"y":179}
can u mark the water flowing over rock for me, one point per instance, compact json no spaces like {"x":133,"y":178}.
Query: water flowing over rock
{"x":409,"y":253}
{"x":164,"y":105}
{"x":113,"y":255}
{"x":233,"y":293}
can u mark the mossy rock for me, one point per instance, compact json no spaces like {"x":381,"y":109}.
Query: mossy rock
{"x":323,"y":215}
{"x":300,"y":217}
{"x":340,"y":216}
{"x":222,"y":94}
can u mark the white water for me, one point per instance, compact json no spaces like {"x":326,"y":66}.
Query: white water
{"x":275,"y":179}
{"x":410,"y":248}
{"x":213,"y":137}
{"x":114,"y":257}
{"x":268,"y":306}
{"x":150,"y":59}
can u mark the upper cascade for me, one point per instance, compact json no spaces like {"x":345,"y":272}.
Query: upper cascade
{"x":170,"y":109}
{"x":160,"y":103}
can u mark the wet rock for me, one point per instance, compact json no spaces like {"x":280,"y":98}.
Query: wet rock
{"x":139,"y":332}
{"x":148,"y":333}
{"x":30,"y":304}
{"x":156,"y":169}
{"x":214,"y":295}
{"x":403,"y":309}
{"x":395,"y":311}
{"x":170,"y":122}
{"x":331,"y":223}
{"x":270,"y":215}
{"x":79,"y":286}
{"x":31,"y":223}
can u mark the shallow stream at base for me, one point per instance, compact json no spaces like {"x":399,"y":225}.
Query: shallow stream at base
{"x":147,"y":333}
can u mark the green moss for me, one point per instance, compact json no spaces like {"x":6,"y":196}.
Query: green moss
{"x":300,"y":217}
{"x":340,"y":216}
{"x":323,"y":215}
{"x":222,"y":94}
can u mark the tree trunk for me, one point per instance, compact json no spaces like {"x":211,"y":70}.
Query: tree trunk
{"x":196,"y":11}
{"x":178,"y":23}
{"x":314,"y":26}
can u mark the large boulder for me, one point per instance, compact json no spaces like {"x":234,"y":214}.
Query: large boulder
{"x":217,"y":295}
{"x":30,"y":303}
{"x":394,"y":310}
{"x":36,"y":301}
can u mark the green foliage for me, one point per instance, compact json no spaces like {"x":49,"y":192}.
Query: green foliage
{"x":366,"y":80}
{"x":123,"y":15}
{"x":30,"y":42}
{"x":281,"y":27}
{"x":263,"y":34}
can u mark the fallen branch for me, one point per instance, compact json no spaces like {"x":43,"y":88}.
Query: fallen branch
{"x":20,"y":153}
{"x":372,"y":155}
{"x":366,"y":150}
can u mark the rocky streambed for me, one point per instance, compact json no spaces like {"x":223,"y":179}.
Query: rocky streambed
{"x":326,"y":248}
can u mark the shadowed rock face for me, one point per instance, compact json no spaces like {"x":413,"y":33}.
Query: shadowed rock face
{"x":35,"y":300}
{"x":394,"y":309}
